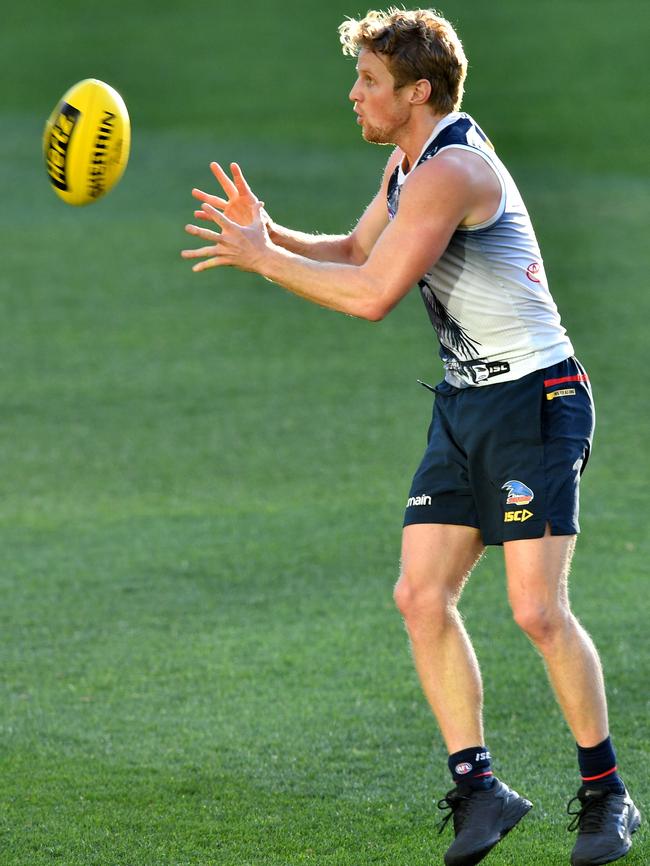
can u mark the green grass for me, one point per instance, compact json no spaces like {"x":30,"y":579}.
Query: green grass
{"x":203,"y":477}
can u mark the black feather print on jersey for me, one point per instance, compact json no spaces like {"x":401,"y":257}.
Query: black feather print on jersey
{"x":449,"y":330}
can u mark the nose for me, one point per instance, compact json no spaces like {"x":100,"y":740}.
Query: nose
{"x":354,"y":95}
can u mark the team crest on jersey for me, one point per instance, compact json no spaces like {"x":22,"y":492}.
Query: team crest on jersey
{"x":518,"y":493}
{"x":531,"y":272}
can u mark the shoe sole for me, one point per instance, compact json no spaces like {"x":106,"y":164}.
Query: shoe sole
{"x":512,"y":817}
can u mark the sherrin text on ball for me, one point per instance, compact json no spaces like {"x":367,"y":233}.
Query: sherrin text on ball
{"x":86,"y":142}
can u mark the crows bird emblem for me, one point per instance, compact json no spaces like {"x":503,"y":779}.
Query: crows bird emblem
{"x":518,"y":493}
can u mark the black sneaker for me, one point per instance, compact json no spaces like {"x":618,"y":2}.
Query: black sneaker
{"x":605,"y":822}
{"x":481,"y":819}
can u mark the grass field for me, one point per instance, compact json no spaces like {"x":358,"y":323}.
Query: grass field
{"x":203,"y":477}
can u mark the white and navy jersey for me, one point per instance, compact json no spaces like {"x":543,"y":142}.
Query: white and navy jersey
{"x":487,"y":296}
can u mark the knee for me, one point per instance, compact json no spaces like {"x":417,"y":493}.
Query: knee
{"x":404,"y":595}
{"x":419,"y":602}
{"x":541,"y":623}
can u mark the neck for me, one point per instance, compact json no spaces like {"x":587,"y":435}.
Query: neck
{"x":413,"y":138}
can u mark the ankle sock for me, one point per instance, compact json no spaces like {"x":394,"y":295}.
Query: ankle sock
{"x":472,"y":767}
{"x":598,"y":767}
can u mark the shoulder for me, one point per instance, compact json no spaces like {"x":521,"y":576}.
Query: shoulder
{"x":457,"y":187}
{"x":450,"y":168}
{"x":437,"y":192}
{"x":461,"y":182}
{"x":467,"y":168}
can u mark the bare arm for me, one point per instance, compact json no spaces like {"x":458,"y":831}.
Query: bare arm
{"x":435,"y":199}
{"x":352,"y":248}
{"x":320,"y":248}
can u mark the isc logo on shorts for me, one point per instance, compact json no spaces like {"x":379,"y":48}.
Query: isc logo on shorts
{"x":519,"y":516}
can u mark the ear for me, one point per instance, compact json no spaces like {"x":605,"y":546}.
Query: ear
{"x":421,"y":92}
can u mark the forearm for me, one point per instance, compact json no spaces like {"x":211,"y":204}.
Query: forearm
{"x":320,"y":248}
{"x":339,"y":286}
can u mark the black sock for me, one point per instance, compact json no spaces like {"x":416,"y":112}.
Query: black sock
{"x":471,"y":767}
{"x":598,"y":767}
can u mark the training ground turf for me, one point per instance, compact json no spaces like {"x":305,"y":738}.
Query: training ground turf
{"x":203,"y":478}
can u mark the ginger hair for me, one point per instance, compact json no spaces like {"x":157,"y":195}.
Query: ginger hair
{"x":416,"y":44}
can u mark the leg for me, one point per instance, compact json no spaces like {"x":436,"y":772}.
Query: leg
{"x":436,"y":561}
{"x":537,"y":571}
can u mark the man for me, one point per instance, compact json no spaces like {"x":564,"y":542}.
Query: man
{"x":512,"y":421}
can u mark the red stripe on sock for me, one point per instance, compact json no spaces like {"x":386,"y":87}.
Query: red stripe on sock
{"x":581,"y":377}
{"x":480,"y":775}
{"x":601,"y":776}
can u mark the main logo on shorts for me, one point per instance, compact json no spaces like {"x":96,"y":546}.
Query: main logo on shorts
{"x":423,"y":499}
{"x":518,"y":493}
{"x":463,"y":769}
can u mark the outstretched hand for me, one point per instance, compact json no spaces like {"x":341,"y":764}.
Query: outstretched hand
{"x":240,"y":202}
{"x":240,"y":246}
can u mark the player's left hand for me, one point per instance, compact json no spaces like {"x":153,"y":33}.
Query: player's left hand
{"x":241,"y":247}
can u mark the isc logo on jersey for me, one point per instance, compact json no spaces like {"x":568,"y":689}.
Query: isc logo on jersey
{"x":86,"y":142}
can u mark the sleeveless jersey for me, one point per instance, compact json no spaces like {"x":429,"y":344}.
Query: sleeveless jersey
{"x":487,"y":296}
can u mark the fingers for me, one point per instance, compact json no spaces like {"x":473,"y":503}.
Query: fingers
{"x":212,"y":250}
{"x":214,"y":200}
{"x":200,"y":232}
{"x":200,"y":253}
{"x":219,"y":218}
{"x":213,"y":262}
{"x":209,"y":263}
{"x":240,"y":181}
{"x":215,"y":250}
{"x":211,"y":209}
{"x":217,"y":257}
{"x":228,"y":186}
{"x":202,"y":215}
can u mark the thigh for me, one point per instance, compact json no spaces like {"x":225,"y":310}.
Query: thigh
{"x":537,"y":571}
{"x":439,"y":556}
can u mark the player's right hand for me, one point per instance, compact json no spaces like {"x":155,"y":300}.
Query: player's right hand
{"x":241,"y":203}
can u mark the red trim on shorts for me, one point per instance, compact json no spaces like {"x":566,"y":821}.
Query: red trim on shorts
{"x":600,"y":776}
{"x":481,"y":775}
{"x":581,"y":377}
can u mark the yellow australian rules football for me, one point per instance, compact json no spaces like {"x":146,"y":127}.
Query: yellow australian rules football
{"x":86,"y":142}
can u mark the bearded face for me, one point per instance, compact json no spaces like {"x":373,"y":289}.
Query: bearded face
{"x":382,"y":111}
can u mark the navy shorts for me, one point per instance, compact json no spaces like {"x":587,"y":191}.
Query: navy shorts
{"x":507,"y":458}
